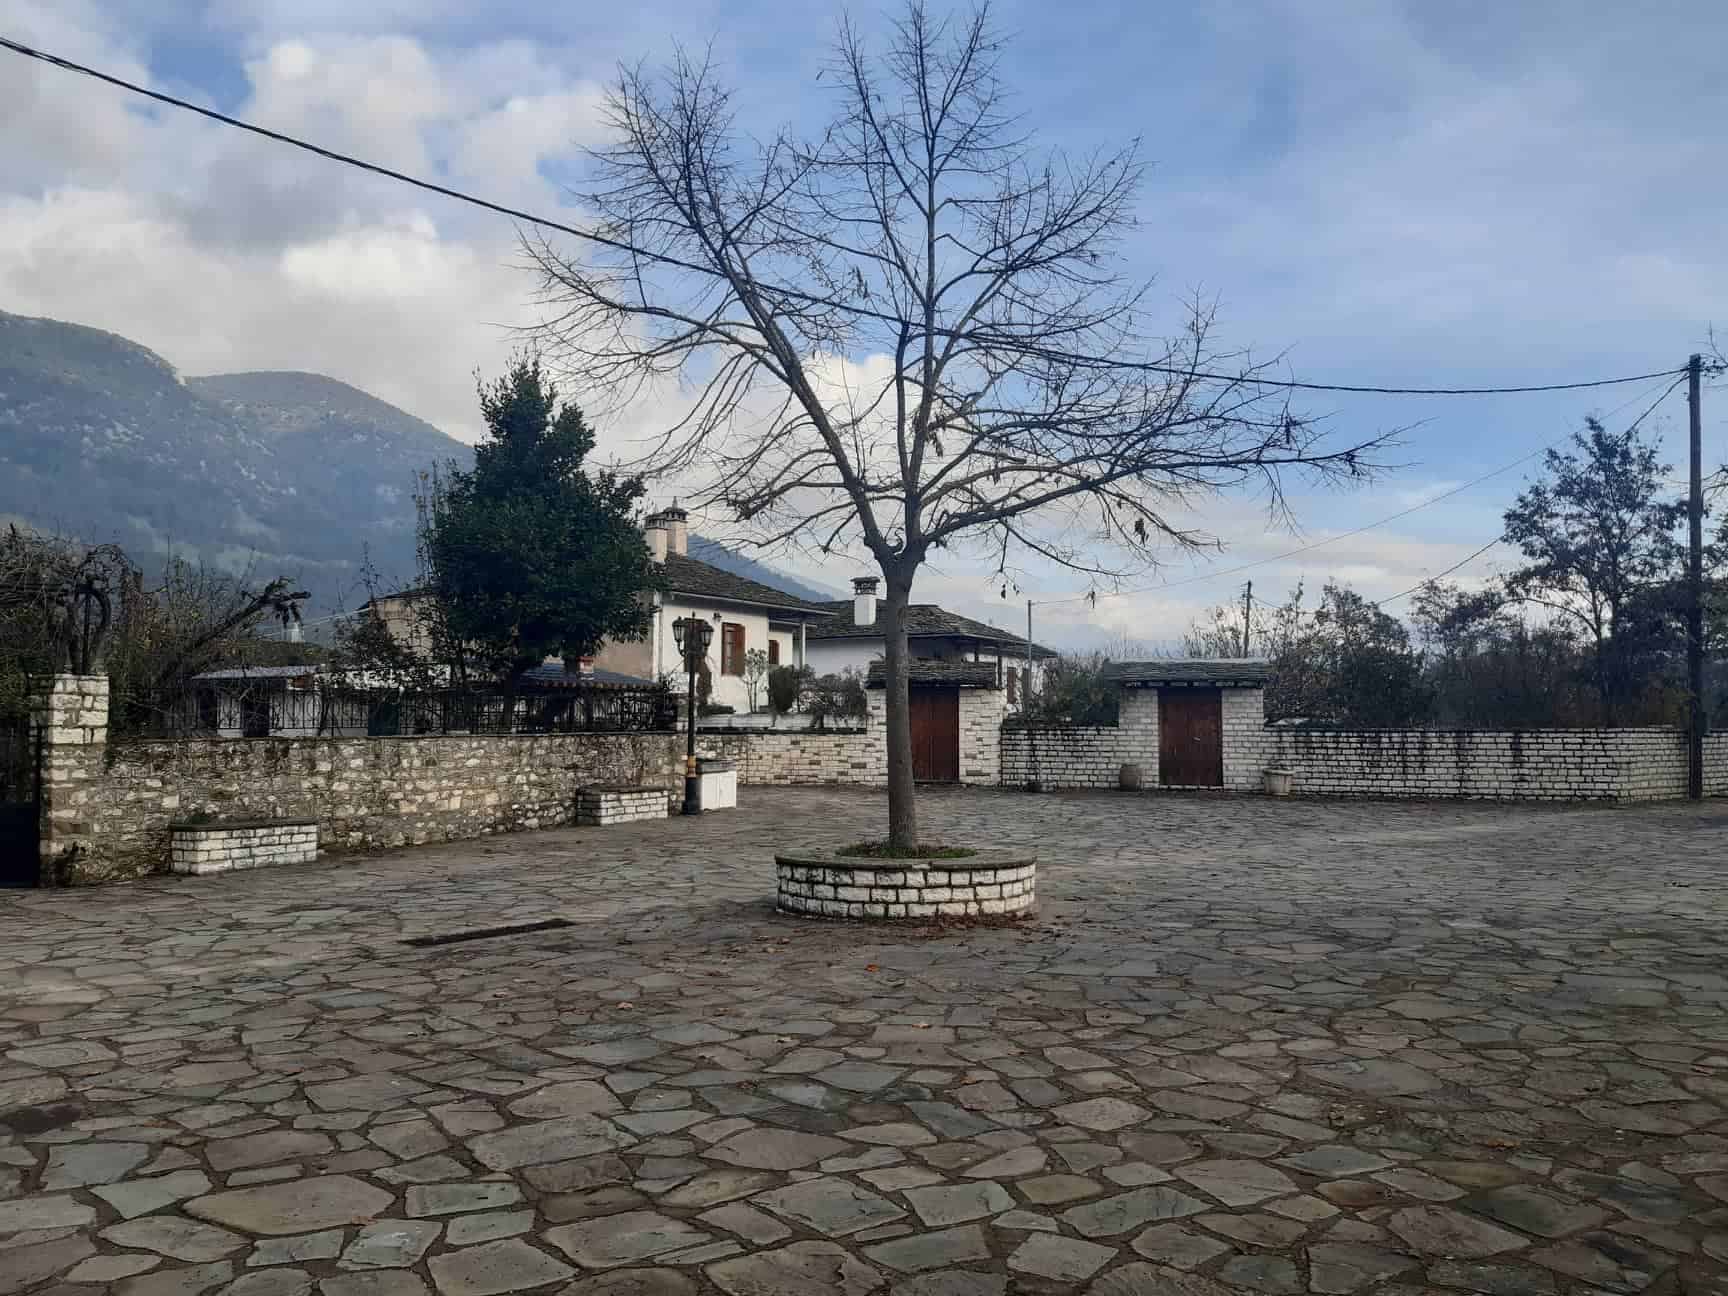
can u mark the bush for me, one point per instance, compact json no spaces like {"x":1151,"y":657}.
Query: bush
{"x":836,"y":697}
{"x":785,"y":683}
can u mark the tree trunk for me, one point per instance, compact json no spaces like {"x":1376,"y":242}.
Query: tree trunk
{"x":902,"y":803}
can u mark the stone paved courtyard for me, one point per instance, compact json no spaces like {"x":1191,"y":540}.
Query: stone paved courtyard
{"x":1247,"y":1045}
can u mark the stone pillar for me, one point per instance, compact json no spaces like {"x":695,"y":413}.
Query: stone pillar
{"x":71,"y":714}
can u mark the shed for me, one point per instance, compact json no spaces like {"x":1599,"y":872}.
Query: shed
{"x":1209,"y":717}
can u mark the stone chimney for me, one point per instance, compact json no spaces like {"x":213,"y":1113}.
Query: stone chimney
{"x":654,"y":532}
{"x":676,"y":520}
{"x":864,"y":601}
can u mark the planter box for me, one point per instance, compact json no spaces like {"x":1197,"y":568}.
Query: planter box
{"x":199,"y":848}
{"x":599,"y":806}
{"x":988,"y":884}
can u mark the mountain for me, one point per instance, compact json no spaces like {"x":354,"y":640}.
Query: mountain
{"x":291,"y":474}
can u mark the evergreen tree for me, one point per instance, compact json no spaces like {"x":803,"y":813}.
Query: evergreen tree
{"x":530,"y":554}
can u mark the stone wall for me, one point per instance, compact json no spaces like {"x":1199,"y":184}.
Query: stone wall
{"x":1087,"y":756}
{"x":1500,"y":765}
{"x":1545,"y":765}
{"x":221,"y":848}
{"x":107,"y":805}
{"x":985,"y":886}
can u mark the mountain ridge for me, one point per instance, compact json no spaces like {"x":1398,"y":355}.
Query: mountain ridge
{"x":103,"y":439}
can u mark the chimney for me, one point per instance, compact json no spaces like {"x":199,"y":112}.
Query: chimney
{"x":654,"y":532}
{"x":864,"y":601}
{"x":674,"y":520}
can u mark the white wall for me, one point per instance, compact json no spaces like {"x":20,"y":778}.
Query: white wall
{"x":729,"y":690}
{"x":831,"y":656}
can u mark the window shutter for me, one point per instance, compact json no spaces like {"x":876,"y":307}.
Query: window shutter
{"x":773,"y":652}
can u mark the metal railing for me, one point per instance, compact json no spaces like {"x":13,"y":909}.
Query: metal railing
{"x":277,"y":709}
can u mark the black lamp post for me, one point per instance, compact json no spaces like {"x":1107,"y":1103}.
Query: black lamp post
{"x":693,"y":635}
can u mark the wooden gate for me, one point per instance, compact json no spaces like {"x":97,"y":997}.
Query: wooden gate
{"x":936,"y":735}
{"x":1191,"y":737}
{"x":20,"y":790}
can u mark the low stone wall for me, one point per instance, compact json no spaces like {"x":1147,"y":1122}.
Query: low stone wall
{"x":107,"y":806}
{"x":1501,"y":765}
{"x":824,"y":886}
{"x":596,"y":807}
{"x":199,"y":848}
{"x":800,"y":757}
{"x":1497,"y":765}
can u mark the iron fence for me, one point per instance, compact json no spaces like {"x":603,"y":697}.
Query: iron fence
{"x":283,"y":709}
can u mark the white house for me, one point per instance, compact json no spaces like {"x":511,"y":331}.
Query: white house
{"x":852,"y":638}
{"x":745,"y":614}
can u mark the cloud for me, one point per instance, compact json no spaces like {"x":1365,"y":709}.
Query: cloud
{"x":226,"y":252}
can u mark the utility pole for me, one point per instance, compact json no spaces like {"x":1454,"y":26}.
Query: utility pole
{"x":1695,"y":581}
{"x":1247,"y":619}
{"x":1026,"y":683}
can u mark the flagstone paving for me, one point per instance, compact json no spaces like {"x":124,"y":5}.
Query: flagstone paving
{"x":1247,"y":1045}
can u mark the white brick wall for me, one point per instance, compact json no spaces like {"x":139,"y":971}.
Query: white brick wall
{"x":906,"y":889}
{"x":222,"y":848}
{"x":1498,"y":765}
{"x":598,"y":807}
{"x":1558,"y":765}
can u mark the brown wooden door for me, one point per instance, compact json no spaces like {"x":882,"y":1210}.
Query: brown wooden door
{"x":1191,"y":737}
{"x":936,"y":735}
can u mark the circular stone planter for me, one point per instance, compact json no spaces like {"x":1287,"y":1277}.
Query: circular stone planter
{"x":990,"y":884}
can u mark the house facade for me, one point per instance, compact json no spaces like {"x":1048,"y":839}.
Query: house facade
{"x":746,"y":615}
{"x":852,"y":638}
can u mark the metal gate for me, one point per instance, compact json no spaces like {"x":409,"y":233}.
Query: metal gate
{"x":20,"y":801}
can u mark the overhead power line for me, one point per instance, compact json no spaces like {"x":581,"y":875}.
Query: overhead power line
{"x":660,"y":258}
{"x":1095,"y":595}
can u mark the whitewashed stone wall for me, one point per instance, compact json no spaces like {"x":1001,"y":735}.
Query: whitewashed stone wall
{"x":222,"y":848}
{"x":1086,"y":756}
{"x":1502,"y":765}
{"x":598,"y":807}
{"x":981,"y":713}
{"x":804,"y":757}
{"x":1507,"y":765}
{"x":981,"y":887}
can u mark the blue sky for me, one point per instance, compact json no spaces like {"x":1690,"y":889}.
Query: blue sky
{"x":1460,"y":194}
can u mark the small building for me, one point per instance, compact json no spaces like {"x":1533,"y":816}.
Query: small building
{"x":1204,"y":722}
{"x":956,"y":710}
{"x":259,"y":702}
{"x":852,"y":638}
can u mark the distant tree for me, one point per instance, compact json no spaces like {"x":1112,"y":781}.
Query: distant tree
{"x":755,"y":673}
{"x":1346,"y":663}
{"x":1076,"y":690}
{"x":1216,"y":634}
{"x":1598,"y":531}
{"x":530,"y":555}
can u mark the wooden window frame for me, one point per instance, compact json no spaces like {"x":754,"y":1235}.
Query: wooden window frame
{"x":773,"y":651}
{"x":732,"y":660}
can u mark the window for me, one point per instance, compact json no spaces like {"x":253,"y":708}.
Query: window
{"x":1013,"y":686}
{"x":773,"y":652}
{"x":731,"y":649}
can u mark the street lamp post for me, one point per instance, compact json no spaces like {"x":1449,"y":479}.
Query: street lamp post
{"x":692,"y":635}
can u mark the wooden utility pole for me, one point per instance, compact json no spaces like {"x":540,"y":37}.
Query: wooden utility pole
{"x":1026,"y":684}
{"x":1695,"y":581}
{"x":1247,"y":619}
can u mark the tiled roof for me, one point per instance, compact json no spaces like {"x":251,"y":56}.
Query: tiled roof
{"x":257,"y":672}
{"x":932,"y":670}
{"x":1241,"y":672}
{"x":687,"y":575}
{"x":923,"y":620}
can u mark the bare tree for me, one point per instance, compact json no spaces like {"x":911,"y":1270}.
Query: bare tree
{"x":910,"y":331}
